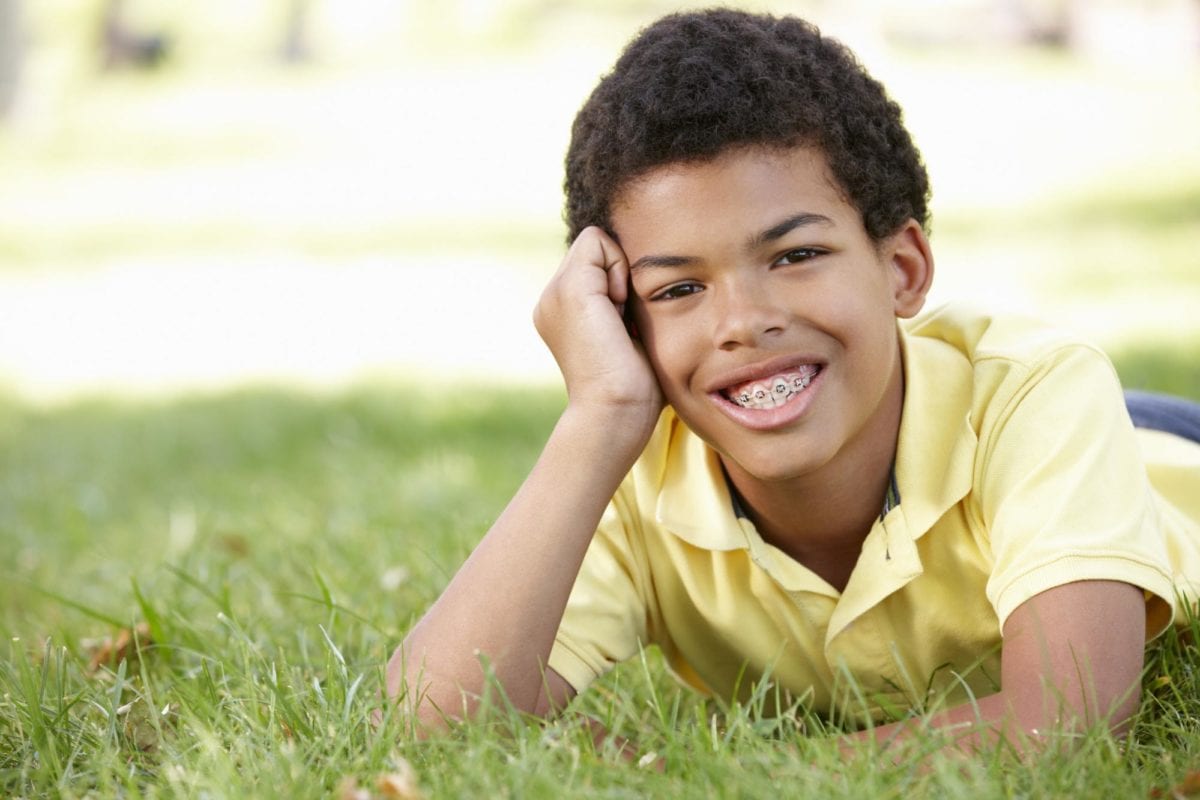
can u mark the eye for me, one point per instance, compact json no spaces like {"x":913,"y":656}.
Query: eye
{"x":677,"y":291}
{"x":800,"y":254}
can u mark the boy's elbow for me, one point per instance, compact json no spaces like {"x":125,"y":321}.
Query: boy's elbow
{"x":430,"y":700}
{"x":1061,"y":721}
{"x":1125,"y":708}
{"x":424,"y":703}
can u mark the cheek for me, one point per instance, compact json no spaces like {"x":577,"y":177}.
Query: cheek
{"x":861,"y":311}
{"x":669,"y":349}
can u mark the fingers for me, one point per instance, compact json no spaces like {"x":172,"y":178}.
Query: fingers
{"x":582,"y":282}
{"x":616,"y":266}
{"x":595,"y":248}
{"x":583,"y":317}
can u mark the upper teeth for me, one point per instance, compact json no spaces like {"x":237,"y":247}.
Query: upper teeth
{"x":772,"y":392}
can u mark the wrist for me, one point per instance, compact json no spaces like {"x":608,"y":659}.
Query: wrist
{"x":616,"y":430}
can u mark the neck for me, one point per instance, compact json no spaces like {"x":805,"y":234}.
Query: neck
{"x":821,"y":518}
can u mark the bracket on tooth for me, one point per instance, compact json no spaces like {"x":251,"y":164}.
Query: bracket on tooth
{"x":780,"y":391}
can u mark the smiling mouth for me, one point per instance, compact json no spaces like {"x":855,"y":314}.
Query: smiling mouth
{"x":774,"y":391}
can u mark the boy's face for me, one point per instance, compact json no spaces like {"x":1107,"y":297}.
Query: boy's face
{"x":766,"y":310}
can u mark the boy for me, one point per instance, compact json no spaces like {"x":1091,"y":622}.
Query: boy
{"x":763,"y":472}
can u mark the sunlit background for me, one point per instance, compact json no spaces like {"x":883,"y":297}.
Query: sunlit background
{"x":318,"y":192}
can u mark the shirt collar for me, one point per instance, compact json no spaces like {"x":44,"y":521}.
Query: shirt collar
{"x":694,"y":501}
{"x":934,"y":468}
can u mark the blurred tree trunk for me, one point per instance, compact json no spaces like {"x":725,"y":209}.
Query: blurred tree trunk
{"x":114,"y":33}
{"x":11,"y":47}
{"x":297,"y":47}
{"x":124,"y":46}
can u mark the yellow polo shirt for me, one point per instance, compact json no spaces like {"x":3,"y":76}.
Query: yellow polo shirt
{"x":1018,"y":470}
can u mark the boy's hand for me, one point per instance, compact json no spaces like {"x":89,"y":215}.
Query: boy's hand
{"x":580,"y":317}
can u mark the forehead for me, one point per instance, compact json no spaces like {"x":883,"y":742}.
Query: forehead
{"x":742,"y":191}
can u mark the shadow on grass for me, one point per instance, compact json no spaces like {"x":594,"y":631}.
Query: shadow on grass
{"x":1173,"y":369}
{"x":265,"y":481}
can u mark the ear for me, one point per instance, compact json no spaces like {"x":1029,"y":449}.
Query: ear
{"x":910,"y":261}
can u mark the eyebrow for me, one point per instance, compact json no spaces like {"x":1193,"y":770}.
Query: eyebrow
{"x":661,"y":261}
{"x":781,"y":229}
{"x":776,"y":231}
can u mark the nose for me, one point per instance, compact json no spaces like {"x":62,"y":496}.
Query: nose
{"x":746,"y":315}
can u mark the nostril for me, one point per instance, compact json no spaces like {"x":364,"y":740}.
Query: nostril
{"x":745,"y":316}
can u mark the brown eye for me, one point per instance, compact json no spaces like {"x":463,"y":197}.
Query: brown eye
{"x":677,"y":291}
{"x":800,"y":254}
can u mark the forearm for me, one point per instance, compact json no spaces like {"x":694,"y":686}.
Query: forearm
{"x":1018,"y":722}
{"x":966,"y":728}
{"x":505,"y":604}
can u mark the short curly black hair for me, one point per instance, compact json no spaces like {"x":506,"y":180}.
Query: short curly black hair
{"x":694,"y":84}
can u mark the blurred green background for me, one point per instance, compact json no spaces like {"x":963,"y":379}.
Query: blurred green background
{"x":315,"y":193}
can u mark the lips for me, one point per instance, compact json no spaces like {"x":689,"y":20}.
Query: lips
{"x":768,"y":395}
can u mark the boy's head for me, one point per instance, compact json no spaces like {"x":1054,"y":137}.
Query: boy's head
{"x":693,"y":85}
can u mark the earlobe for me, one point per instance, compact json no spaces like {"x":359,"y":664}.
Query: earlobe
{"x":911,"y":262}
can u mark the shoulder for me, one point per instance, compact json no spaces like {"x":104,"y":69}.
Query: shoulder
{"x":999,"y":359}
{"x":981,"y":336}
{"x":979,"y":385}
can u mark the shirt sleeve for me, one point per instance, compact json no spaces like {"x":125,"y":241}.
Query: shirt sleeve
{"x":605,"y":621}
{"x":1063,"y":491}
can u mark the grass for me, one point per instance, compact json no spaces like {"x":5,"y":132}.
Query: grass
{"x":274,"y":546}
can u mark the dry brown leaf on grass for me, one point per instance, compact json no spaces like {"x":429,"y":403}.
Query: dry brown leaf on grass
{"x":398,"y":785}
{"x":1187,"y":789}
{"x":234,"y":544}
{"x":348,"y":789}
{"x":127,"y":645}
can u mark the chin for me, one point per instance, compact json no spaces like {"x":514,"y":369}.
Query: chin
{"x":769,"y":470}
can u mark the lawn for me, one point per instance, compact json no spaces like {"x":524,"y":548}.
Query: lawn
{"x":270,"y":547}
